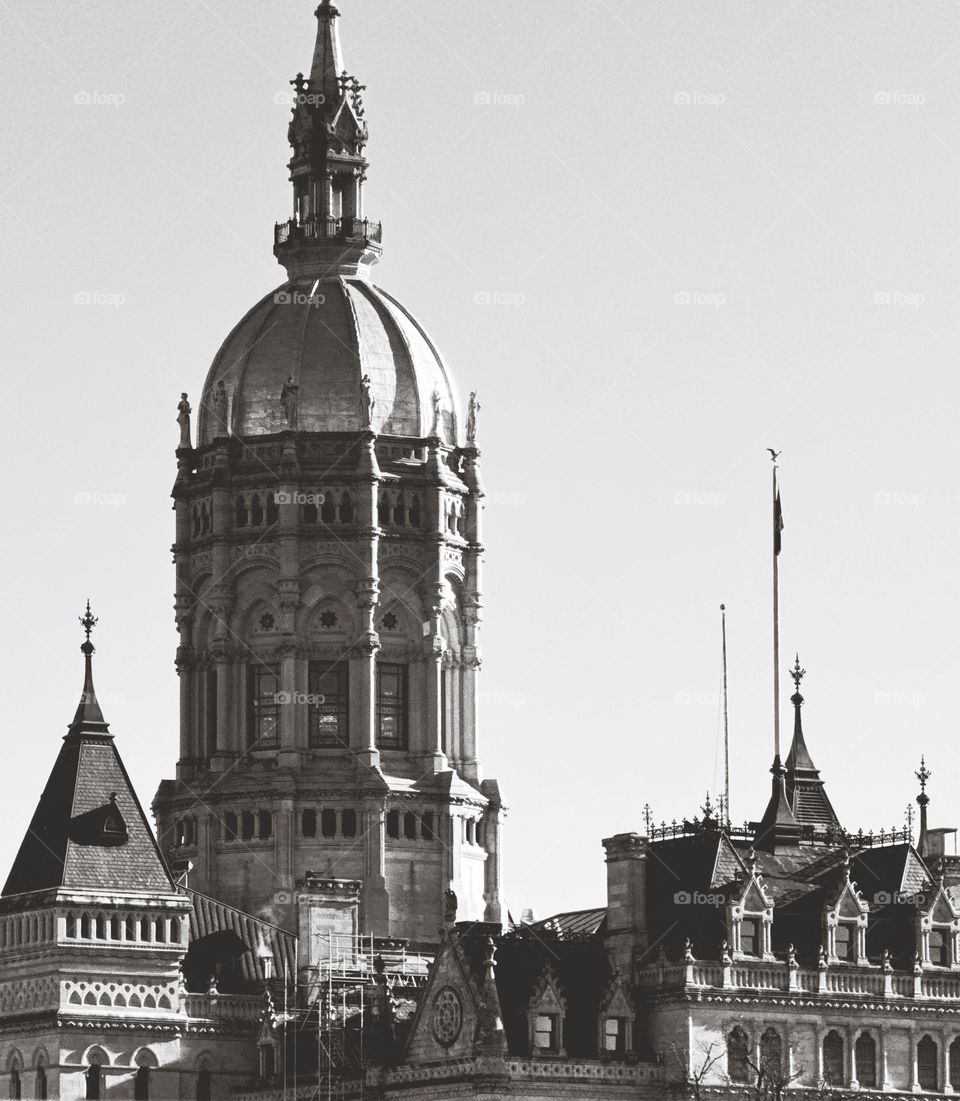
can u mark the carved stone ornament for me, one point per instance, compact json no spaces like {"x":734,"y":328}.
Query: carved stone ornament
{"x":447,"y":1019}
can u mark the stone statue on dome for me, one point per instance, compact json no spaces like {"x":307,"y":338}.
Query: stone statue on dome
{"x":183,"y":419}
{"x":220,"y":407}
{"x":367,"y":401}
{"x":473,"y":408}
{"x":288,"y":399}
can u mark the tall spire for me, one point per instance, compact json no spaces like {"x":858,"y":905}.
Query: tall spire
{"x":805,"y":790}
{"x":778,"y":827}
{"x":327,"y":67}
{"x":88,"y":718}
{"x":328,"y":234}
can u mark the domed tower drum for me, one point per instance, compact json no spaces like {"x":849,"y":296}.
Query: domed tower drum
{"x":328,"y":582}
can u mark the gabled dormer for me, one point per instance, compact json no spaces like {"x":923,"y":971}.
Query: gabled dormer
{"x":938,"y":929}
{"x":546,"y":1015}
{"x":616,"y":1019}
{"x":845,"y":920}
{"x":750,"y":915}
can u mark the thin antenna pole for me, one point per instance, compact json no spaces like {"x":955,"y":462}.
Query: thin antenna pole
{"x":776,"y":625}
{"x":726,"y":722}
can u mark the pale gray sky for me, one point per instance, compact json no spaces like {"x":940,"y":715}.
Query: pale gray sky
{"x":705,"y":228}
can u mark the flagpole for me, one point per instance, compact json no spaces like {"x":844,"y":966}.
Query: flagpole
{"x":726,"y":725}
{"x":776,"y":625}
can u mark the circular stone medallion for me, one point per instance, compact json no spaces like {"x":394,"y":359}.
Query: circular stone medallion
{"x":447,"y":1016}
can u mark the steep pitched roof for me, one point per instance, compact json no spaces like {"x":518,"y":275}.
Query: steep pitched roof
{"x":89,"y":831}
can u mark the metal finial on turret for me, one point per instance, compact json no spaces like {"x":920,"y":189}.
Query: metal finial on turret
{"x":923,"y":774}
{"x":797,"y":673}
{"x":88,"y":621}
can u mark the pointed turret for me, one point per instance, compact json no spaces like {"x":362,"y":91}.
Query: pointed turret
{"x":89,"y":830}
{"x":805,"y":790}
{"x":778,"y":828}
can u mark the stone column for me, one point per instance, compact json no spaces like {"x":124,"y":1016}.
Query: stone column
{"x":852,"y":1057}
{"x":472,"y":612}
{"x":374,"y":898}
{"x":492,"y":869}
{"x":883,"y":1070}
{"x":363,"y":659}
{"x":945,"y":1086}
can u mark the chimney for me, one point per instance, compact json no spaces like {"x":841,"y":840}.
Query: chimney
{"x":626,"y":898}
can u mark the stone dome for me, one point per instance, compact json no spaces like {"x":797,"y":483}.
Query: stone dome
{"x":327,"y":335}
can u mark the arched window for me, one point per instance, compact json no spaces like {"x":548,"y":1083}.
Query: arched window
{"x":204,"y":1088}
{"x":738,"y":1066}
{"x":410,"y":826}
{"x":308,"y":824}
{"x":41,"y":1084}
{"x":955,"y":1064}
{"x":241,"y":511}
{"x":16,"y":1086}
{"x":309,"y":517}
{"x":266,"y":825}
{"x":141,"y":1084}
{"x":415,"y":511}
{"x":145,"y":929}
{"x":328,"y":822}
{"x":399,"y":512}
{"x":256,"y":511}
{"x":346,"y":509}
{"x":833,"y":1058}
{"x":865,"y":1056}
{"x":348,"y":823}
{"x":246,"y":825}
{"x":927,"y":1074}
{"x":771,"y":1055}
{"x":101,"y":927}
{"x":71,"y":925}
{"x":114,"y":928}
{"x":94,"y":1080}
{"x":85,"y":927}
{"x":939,"y":945}
{"x":174,"y":930}
{"x":328,"y":509}
{"x":130,"y":930}
{"x":230,"y":826}
{"x":393,"y":824}
{"x":845,"y":941}
{"x":273,"y":509}
{"x":383,"y":510}
{"x":160,"y":931}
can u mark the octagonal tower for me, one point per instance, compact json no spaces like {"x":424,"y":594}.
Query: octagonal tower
{"x":328,"y":581}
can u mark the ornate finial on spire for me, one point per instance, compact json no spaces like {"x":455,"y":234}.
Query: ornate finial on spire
{"x":88,"y":621}
{"x":923,"y":775}
{"x":647,"y":818}
{"x":797,"y":673}
{"x":88,"y":718}
{"x":707,"y":809}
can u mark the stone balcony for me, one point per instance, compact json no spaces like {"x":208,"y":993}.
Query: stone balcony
{"x":753,"y":976}
{"x":218,"y":1008}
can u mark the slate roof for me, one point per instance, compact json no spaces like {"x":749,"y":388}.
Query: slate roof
{"x":573,"y":924}
{"x":212,"y":917}
{"x":61,"y":849}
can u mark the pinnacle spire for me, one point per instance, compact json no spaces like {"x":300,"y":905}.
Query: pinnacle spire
{"x":327,"y":64}
{"x":805,"y":790}
{"x":778,"y":827}
{"x":88,"y":718}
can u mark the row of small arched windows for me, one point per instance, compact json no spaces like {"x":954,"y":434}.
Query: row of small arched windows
{"x":743,"y":1067}
{"x":145,"y":930}
{"x":399,"y":510}
{"x":94,"y":1085}
{"x":26,"y":929}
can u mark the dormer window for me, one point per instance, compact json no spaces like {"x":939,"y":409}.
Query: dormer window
{"x":845,"y":942}
{"x":546,"y":1011}
{"x":615,"y":1036}
{"x":749,"y":937}
{"x":939,"y":932}
{"x":940,"y":947}
{"x":545,"y":1033}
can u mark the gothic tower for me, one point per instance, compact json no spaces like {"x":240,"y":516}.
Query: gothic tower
{"x":328,"y":581}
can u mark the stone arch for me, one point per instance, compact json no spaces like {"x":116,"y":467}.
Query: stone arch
{"x":255,"y":597}
{"x":14,"y":1060}
{"x":319,"y":599}
{"x":145,"y":1057}
{"x":95,"y":1055}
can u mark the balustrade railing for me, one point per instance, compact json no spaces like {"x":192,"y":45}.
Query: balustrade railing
{"x":323,"y":228}
{"x":226,"y":1007}
{"x":764,"y":975}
